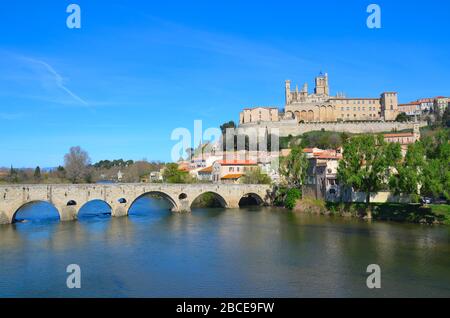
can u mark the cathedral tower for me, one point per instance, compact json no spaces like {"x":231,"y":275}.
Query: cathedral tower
{"x":322,"y":85}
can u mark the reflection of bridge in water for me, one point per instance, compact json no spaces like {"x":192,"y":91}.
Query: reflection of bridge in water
{"x":68,"y":199}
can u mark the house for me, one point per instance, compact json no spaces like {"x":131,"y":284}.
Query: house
{"x":441,"y":103}
{"x":411,"y":109}
{"x":404,"y":139}
{"x":321,"y":181}
{"x":311,"y":152}
{"x":231,"y":178}
{"x":205,"y":174}
{"x":155,"y":176}
{"x":230,"y":171}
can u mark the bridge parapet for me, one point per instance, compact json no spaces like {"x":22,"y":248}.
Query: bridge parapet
{"x":68,"y":198}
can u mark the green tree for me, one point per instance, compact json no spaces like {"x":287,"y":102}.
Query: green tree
{"x":366,"y":164}
{"x":225,"y":126}
{"x":437,"y":173}
{"x":256,"y":176}
{"x":446,"y":118}
{"x":409,"y":176}
{"x":292,"y":196}
{"x":37,"y":174}
{"x":294,"y":167}
{"x":13,"y":175}
{"x":61,"y":172}
{"x":402,"y":117}
{"x":172,"y":174}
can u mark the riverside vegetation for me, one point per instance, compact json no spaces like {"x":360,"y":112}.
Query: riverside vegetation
{"x":370,"y":165}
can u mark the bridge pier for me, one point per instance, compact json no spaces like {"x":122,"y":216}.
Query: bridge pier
{"x":184,"y":205}
{"x":233,"y":204}
{"x":4,"y":218}
{"x":119,"y":211}
{"x":67,"y":213}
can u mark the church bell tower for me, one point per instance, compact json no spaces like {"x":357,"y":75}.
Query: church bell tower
{"x":322,"y":85}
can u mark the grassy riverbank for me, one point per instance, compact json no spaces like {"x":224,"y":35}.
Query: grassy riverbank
{"x":398,"y":212}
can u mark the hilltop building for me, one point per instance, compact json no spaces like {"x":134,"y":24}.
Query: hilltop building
{"x":320,"y":107}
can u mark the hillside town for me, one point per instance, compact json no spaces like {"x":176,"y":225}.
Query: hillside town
{"x":321,"y":182}
{"x":317,"y":123}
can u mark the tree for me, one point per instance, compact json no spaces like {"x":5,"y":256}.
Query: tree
{"x":402,"y":117}
{"x":225,"y":126}
{"x":292,"y":196}
{"x":61,"y":172}
{"x":366,"y":164}
{"x":13,"y":175}
{"x":409,"y":176}
{"x":437,"y":173}
{"x":37,"y":174}
{"x":294,"y":167}
{"x":256,"y":176}
{"x":76,"y":164}
{"x":446,"y":118}
{"x":172,"y":174}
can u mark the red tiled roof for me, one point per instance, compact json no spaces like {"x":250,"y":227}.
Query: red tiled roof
{"x":232,"y":176}
{"x":207,"y":169}
{"x":329,"y":156}
{"x":310,"y":150}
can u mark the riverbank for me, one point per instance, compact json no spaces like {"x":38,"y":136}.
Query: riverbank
{"x":398,"y":212}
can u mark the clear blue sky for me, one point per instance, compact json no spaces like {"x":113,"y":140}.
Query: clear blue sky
{"x":138,"y":69}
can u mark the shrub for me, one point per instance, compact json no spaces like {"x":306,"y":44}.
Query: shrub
{"x":291,"y":198}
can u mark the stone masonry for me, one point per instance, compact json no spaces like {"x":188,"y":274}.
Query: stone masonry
{"x":68,"y":199}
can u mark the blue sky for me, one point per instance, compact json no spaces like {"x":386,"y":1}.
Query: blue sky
{"x":136,"y":70}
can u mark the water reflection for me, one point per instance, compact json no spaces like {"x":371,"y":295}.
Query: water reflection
{"x":262,"y":252}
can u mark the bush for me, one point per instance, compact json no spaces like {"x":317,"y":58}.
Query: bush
{"x":291,"y":198}
{"x":280,"y":196}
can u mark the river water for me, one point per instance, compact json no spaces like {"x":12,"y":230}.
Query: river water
{"x":248,"y":252}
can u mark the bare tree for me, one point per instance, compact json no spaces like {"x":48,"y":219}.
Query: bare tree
{"x":76,"y":164}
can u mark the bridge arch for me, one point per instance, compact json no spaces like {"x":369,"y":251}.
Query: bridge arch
{"x":214,"y":195}
{"x":162,"y":194}
{"x":251,"y":199}
{"x":21,"y":206}
{"x":81,"y":210}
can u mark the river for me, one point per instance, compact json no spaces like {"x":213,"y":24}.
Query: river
{"x":248,"y":252}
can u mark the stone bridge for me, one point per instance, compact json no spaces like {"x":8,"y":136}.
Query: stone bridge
{"x":68,"y":199}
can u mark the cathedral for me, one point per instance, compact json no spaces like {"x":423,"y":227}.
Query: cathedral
{"x":318,"y":106}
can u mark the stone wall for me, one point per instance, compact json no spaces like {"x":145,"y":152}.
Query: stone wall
{"x":287,"y":128}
